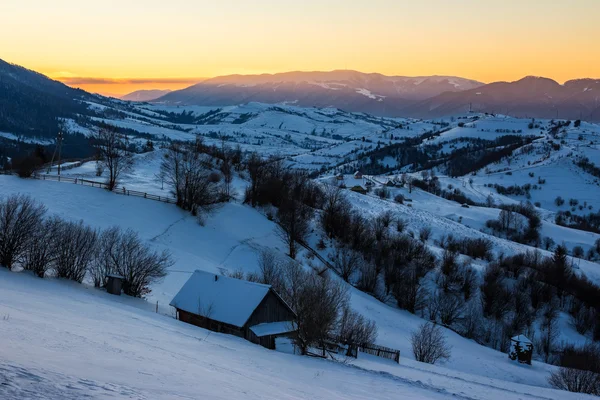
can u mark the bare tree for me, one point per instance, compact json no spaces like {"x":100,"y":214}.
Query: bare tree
{"x":40,"y":252}
{"x":75,"y":250}
{"x":450,"y":307}
{"x":317,"y":302}
{"x":270,"y":268}
{"x":429,"y":344}
{"x":107,"y":256}
{"x":227,"y":172}
{"x":293,"y":223}
{"x":20,"y":217}
{"x":193,"y":184}
{"x":471,"y":320}
{"x":550,"y":330}
{"x":257,"y":171}
{"x":335,"y":207}
{"x":354,"y":329}
{"x":113,"y":153}
{"x":136,"y":262}
{"x":346,"y":261}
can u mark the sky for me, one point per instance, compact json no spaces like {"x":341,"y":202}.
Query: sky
{"x":114,"y":47}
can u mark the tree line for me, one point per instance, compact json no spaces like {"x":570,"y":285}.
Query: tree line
{"x":51,"y":246}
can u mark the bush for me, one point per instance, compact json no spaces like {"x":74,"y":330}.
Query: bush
{"x":429,"y":344}
{"x":123,"y":253}
{"x":401,"y":225}
{"x":559,"y":201}
{"x":399,"y":199}
{"x":382,"y":192}
{"x":27,"y":165}
{"x":576,"y":380}
{"x":20,"y":218}
{"x":578,"y":252}
{"x":424,"y":234}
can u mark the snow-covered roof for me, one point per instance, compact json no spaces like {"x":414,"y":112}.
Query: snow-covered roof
{"x":220,"y":298}
{"x":273,"y":328}
{"x":521,"y":338}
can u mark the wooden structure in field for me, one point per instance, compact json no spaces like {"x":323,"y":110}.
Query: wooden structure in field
{"x":521,"y":349}
{"x":252,"y":311}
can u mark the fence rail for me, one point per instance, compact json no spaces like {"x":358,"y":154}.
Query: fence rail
{"x":102,"y":185}
{"x":326,"y":263}
{"x":381,"y":351}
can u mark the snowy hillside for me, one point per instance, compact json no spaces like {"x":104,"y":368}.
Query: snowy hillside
{"x":63,"y":341}
{"x":104,"y":329}
{"x":451,"y":177}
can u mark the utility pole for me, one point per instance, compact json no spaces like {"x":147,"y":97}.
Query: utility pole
{"x":57,"y":148}
{"x":60,"y":139}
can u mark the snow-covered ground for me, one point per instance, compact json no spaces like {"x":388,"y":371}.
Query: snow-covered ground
{"x":63,"y":341}
{"x":229,"y":241}
{"x":70,"y":341}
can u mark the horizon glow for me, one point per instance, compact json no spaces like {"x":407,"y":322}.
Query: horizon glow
{"x":153,"y":44}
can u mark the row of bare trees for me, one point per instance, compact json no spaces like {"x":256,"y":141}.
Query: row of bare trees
{"x":52,"y":246}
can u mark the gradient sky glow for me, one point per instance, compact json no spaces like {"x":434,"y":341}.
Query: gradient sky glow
{"x":180,"y":41}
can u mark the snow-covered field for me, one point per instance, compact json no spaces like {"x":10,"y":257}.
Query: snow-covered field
{"x":63,"y":341}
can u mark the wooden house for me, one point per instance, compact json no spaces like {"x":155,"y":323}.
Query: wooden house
{"x":359,"y":189}
{"x":358,"y":175}
{"x":252,"y":311}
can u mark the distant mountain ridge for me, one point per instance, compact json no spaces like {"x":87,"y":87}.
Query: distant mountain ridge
{"x":349,"y":90}
{"x":399,"y":96}
{"x":145,"y":95}
{"x":534,"y":97}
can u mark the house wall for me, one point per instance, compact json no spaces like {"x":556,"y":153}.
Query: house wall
{"x":209,"y":324}
{"x":271,"y":309}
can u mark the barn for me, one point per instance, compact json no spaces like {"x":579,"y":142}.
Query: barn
{"x":252,"y":311}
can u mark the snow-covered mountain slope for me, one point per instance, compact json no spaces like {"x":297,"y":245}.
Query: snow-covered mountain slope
{"x":113,"y":333}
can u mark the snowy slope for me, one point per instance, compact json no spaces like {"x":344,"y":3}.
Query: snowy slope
{"x":64,"y":341}
{"x":230,"y":240}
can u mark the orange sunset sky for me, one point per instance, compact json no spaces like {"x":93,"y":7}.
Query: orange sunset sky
{"x":114,"y":47}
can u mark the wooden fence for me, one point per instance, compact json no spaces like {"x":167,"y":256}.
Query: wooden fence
{"x":381,"y":351}
{"x":102,"y":185}
{"x":326,"y":263}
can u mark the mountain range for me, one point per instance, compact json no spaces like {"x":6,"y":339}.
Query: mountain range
{"x":32,"y":104}
{"x":349,"y":90}
{"x":398,"y":96}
